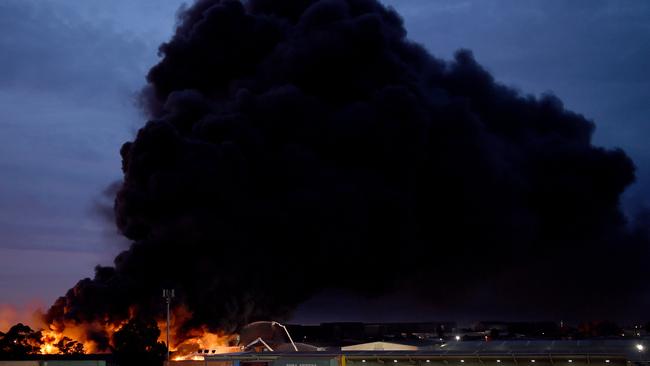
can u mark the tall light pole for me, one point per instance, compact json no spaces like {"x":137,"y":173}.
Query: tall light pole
{"x":168,"y":294}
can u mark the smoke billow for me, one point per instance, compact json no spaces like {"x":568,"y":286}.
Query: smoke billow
{"x":302,"y":145}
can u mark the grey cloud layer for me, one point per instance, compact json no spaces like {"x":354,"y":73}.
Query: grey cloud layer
{"x":66,"y":100}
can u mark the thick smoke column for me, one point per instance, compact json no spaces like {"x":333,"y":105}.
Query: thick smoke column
{"x":301,"y":145}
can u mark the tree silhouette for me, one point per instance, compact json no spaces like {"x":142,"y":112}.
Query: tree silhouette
{"x":136,"y":343}
{"x":69,"y":346}
{"x":19,"y":341}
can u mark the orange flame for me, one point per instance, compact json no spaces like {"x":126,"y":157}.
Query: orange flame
{"x":55,"y":337}
{"x":192,"y":345}
{"x":209,"y":343}
{"x":187,"y":346}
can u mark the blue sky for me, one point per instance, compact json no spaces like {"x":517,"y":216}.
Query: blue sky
{"x":71,"y":70}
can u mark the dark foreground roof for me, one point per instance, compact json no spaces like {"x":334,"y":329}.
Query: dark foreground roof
{"x":554,"y":346}
{"x":479,"y":349}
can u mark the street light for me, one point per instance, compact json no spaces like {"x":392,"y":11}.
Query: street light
{"x":639,"y":347}
{"x":168,"y":294}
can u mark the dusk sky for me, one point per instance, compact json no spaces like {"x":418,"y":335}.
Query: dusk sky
{"x":71,"y":71}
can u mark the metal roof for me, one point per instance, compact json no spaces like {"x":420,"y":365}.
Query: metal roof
{"x":589,"y":346}
{"x":512,"y":348}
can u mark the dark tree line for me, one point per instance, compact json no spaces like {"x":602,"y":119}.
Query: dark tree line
{"x":136,"y":343}
{"x":21,"y":340}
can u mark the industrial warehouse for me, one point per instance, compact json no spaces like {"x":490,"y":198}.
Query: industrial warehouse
{"x":271,"y":344}
{"x":454,"y":353}
{"x":396,"y":344}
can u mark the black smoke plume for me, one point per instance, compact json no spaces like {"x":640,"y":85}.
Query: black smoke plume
{"x":296,"y":146}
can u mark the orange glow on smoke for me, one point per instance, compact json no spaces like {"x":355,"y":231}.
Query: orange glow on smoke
{"x":27,"y":314}
{"x":184,"y":346}
{"x":53,"y":334}
{"x":213,"y":343}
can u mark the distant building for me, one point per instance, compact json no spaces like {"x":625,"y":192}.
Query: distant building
{"x":382,"y":346}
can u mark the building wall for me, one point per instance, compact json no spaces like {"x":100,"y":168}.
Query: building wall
{"x":419,"y":359}
{"x":305,"y":362}
{"x":502,"y":360}
{"x":74,"y":363}
{"x":54,"y":363}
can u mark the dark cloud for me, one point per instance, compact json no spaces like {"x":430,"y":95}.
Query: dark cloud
{"x":300,"y":146}
{"x":592,"y":56}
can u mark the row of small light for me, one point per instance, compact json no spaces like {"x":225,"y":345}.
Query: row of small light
{"x":499,"y":361}
{"x":638,"y":346}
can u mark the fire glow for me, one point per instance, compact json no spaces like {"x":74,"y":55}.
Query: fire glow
{"x":70,"y":337}
{"x":55,"y":337}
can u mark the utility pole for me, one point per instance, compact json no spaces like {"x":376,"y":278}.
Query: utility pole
{"x":168,"y":294}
